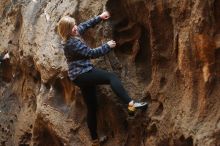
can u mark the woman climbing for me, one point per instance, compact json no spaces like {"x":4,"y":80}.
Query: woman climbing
{"x":84,"y":74}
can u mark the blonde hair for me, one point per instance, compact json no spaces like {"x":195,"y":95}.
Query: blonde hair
{"x":65,"y":26}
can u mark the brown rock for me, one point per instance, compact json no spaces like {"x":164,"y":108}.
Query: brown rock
{"x":168,"y":54}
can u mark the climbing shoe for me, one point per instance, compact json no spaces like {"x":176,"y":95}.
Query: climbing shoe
{"x":103,"y":139}
{"x":133,"y":106}
{"x":95,"y":142}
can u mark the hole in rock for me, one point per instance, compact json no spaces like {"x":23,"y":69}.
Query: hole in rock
{"x":182,"y":141}
{"x":159,"y":109}
{"x":133,"y":41}
{"x":47,"y":138}
{"x":217,"y":61}
{"x":57,"y":93}
{"x":162,"y":82}
{"x":25,"y":139}
{"x":217,"y":15}
{"x":43,"y":136}
{"x":6,"y":71}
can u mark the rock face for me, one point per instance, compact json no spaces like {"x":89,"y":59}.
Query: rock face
{"x":168,"y":54}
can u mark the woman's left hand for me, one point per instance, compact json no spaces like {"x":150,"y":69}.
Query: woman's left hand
{"x":105,"y":15}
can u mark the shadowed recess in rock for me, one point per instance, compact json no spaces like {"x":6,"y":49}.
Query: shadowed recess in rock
{"x":133,"y":41}
{"x":61,"y":93}
{"x":6,"y":71}
{"x":217,"y":61}
{"x":44,"y":136}
{"x":182,"y":141}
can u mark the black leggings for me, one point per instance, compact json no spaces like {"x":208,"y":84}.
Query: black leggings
{"x":87,"y":83}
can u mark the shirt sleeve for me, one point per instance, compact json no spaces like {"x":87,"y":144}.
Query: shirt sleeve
{"x":82,"y":27}
{"x":81,"y":48}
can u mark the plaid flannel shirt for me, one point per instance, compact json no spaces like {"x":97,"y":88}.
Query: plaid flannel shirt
{"x":78,"y":54}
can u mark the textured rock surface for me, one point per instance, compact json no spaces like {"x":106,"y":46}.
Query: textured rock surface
{"x":168,"y":53}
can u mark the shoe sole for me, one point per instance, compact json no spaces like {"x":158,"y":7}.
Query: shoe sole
{"x":142,"y":107}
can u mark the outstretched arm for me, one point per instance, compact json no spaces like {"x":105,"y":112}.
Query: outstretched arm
{"x":82,"y":27}
{"x":81,"y":48}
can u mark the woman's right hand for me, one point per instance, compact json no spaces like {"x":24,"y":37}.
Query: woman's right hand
{"x":105,"y":15}
{"x":111,"y":43}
